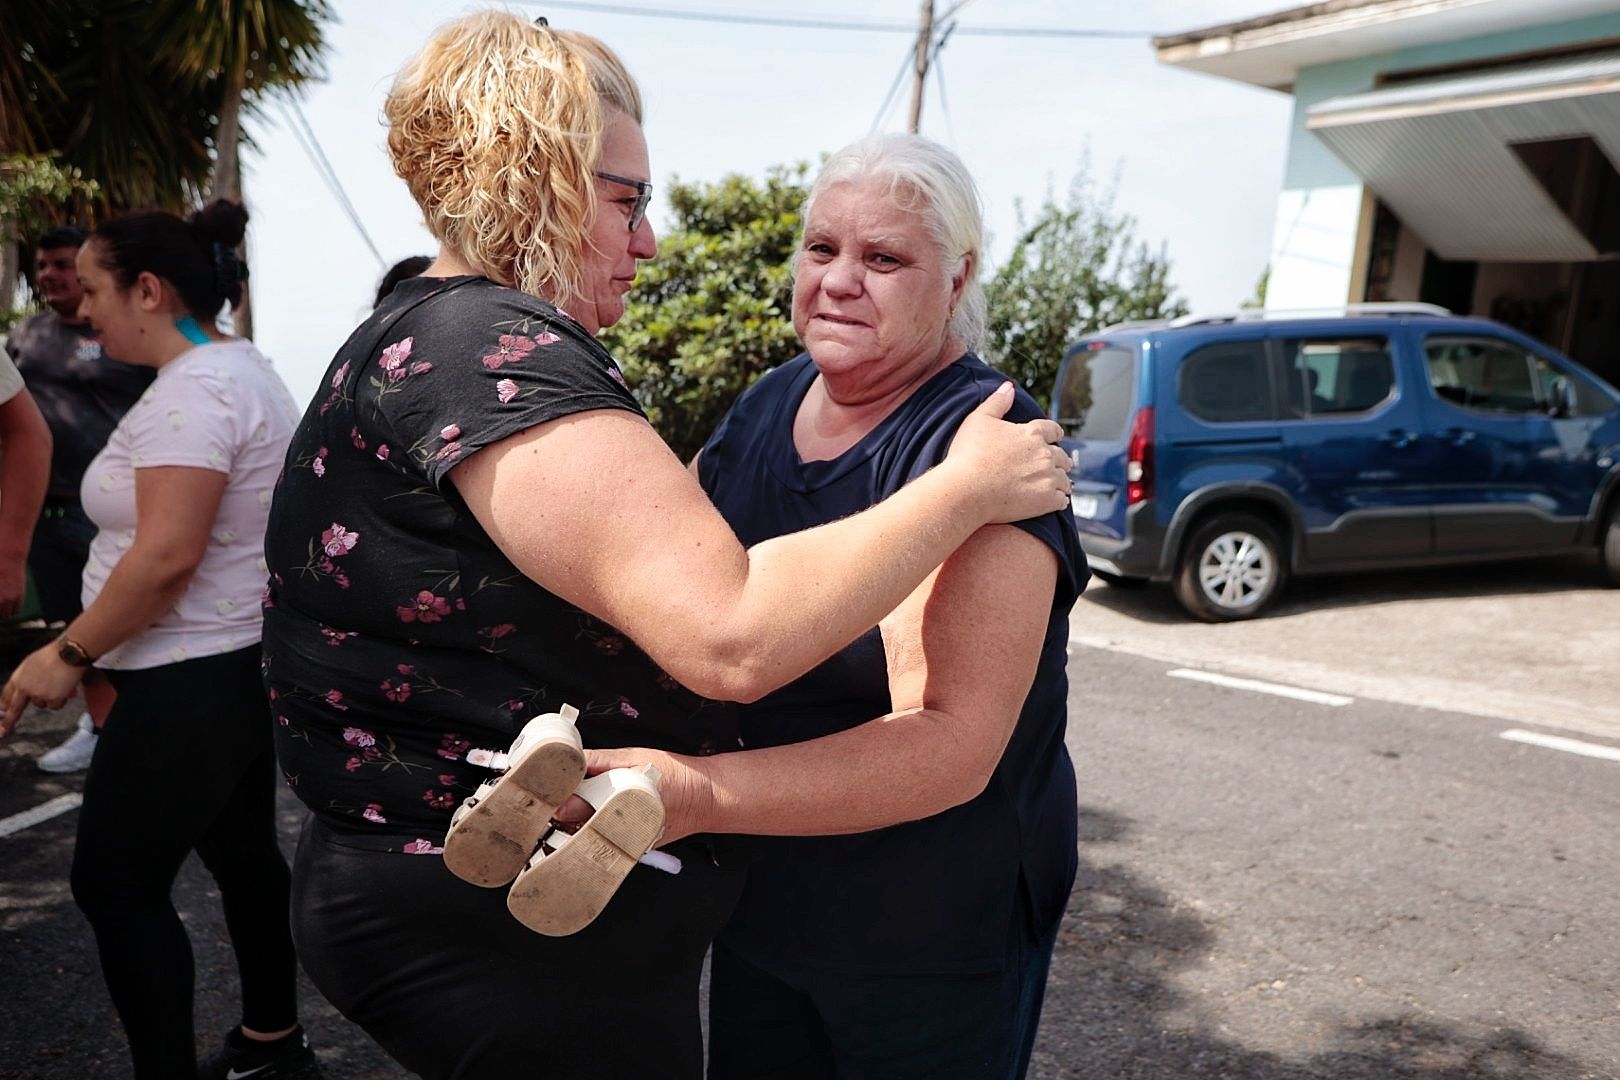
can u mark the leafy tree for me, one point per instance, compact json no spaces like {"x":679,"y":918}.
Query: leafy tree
{"x":146,"y":96}
{"x":714,"y":311}
{"x":137,"y":94}
{"x":34,"y":189}
{"x":1074,"y":269}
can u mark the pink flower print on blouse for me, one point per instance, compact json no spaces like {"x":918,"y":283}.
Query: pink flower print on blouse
{"x":353,"y":764}
{"x":357,"y":439}
{"x":426,"y":608}
{"x":338,"y":541}
{"x":450,"y":432}
{"x":438,"y":800}
{"x":452,"y":746}
{"x":336,"y":637}
{"x":394,"y":357}
{"x":420,"y":846}
{"x":334,"y":698}
{"x":337,"y":394}
{"x":396,"y":692}
{"x":617,"y":376}
{"x":493,"y":634}
{"x":357,"y":736}
{"x":449,"y":451}
{"x":318,"y":466}
{"x":373,"y":812}
{"x":610,"y":644}
{"x":513,"y":348}
{"x":628,"y":709}
{"x":382,"y":452}
{"x":448,"y":780}
{"x":506,"y":390}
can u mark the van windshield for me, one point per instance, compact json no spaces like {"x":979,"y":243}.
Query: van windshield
{"x":1094,"y":397}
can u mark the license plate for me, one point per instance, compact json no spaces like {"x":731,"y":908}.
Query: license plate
{"x":1084,"y":506}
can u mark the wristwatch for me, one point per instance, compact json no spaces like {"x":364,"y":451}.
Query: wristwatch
{"x":72,"y":653}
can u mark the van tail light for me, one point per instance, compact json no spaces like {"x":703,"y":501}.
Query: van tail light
{"x":1139,"y":458}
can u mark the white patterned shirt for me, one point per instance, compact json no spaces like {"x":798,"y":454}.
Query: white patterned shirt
{"x":220,"y":407}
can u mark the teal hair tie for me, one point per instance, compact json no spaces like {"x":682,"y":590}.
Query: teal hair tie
{"x":191,"y":331}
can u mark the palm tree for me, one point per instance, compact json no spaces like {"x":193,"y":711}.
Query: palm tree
{"x":146,"y":96}
{"x":246,"y":48}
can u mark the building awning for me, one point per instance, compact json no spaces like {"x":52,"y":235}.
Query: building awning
{"x":1272,"y":49}
{"x":1453,"y":156}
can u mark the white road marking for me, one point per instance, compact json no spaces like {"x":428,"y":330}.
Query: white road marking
{"x":1569,"y":746}
{"x":43,"y":812}
{"x":1277,"y":689}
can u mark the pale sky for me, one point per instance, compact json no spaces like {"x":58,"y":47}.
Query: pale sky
{"x":1200,"y":159}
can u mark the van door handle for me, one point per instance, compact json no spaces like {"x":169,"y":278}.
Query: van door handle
{"x":1399,"y":438}
{"x":1458,"y":436}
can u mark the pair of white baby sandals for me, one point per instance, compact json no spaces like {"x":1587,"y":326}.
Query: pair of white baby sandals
{"x":503,"y":832}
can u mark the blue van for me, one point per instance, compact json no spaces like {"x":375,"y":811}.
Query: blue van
{"x":1223,"y":454}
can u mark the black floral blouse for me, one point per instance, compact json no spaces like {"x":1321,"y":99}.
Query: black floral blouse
{"x":399,"y":641}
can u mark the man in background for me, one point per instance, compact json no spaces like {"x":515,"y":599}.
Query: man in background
{"x":82,"y":394}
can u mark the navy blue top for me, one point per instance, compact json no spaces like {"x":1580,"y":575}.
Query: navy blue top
{"x":930,"y":896}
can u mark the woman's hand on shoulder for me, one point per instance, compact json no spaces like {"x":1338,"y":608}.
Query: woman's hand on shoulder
{"x":1017,"y":471}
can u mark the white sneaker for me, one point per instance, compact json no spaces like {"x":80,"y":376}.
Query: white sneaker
{"x":75,"y":752}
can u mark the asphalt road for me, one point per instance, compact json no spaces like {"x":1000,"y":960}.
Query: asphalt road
{"x":1270,"y":888}
{"x":1279,"y":889}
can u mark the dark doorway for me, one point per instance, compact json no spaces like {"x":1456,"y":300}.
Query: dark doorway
{"x":1448,"y":283}
{"x":1594,"y":338}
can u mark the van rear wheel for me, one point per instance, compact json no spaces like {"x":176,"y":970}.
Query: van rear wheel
{"x":1232,"y":568}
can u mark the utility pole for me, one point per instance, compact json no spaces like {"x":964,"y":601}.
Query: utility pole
{"x":925,"y":44}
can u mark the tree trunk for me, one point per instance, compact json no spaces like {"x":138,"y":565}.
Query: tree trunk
{"x":10,"y":268}
{"x":227,"y":180}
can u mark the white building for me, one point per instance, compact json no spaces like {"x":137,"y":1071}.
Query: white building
{"x":1460,"y":152}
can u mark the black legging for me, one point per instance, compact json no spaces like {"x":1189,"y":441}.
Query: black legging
{"x":185,"y":763}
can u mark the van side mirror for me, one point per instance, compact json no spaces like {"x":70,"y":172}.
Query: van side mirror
{"x":1561,"y":398}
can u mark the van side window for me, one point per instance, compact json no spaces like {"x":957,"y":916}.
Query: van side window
{"x":1094,"y":396}
{"x":1227,"y":383}
{"x":1590,"y":398}
{"x":1336,"y":376}
{"x":1478,"y":373}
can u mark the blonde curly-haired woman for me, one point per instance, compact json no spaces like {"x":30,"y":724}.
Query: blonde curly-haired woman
{"x":477,"y":526}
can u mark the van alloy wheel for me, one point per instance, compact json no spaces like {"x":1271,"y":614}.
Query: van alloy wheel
{"x":1232,"y":568}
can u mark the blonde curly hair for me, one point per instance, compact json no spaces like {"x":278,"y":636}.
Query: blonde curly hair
{"x":496,"y":127}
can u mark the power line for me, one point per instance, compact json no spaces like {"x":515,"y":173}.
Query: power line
{"x":842,"y":24}
{"x":888,"y":99}
{"x":317,"y":156}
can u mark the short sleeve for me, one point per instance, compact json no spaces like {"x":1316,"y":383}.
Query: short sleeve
{"x":962,"y":388}
{"x":187,"y":419}
{"x":11,"y":380}
{"x":486,"y":363}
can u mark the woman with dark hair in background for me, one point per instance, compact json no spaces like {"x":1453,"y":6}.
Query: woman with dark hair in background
{"x":407,"y":268}
{"x":179,"y":495}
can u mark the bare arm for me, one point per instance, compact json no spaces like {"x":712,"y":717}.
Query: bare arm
{"x":596,"y":509}
{"x":175,"y":507}
{"x":962,"y":652}
{"x":25,"y":470}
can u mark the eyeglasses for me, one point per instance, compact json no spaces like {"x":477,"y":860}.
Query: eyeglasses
{"x":644,"y":190}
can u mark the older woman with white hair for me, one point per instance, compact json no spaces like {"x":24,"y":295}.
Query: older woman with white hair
{"x":862,"y":947}
{"x":478,"y":530}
